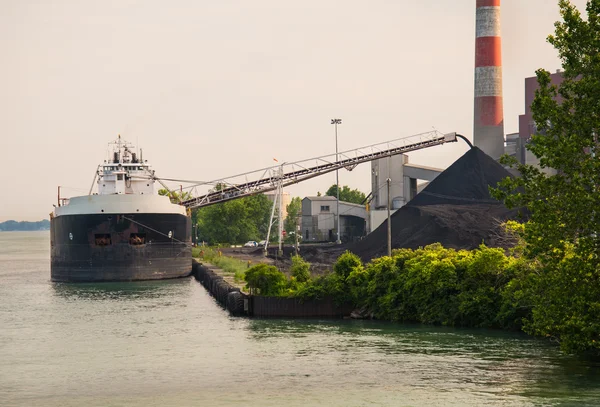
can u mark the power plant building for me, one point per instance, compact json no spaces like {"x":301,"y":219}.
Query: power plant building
{"x":516,"y":144}
{"x":527,"y":126}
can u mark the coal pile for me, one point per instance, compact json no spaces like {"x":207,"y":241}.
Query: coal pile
{"x":455,"y":209}
{"x":465,"y":182}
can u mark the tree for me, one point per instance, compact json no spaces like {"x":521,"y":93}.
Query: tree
{"x":294,"y":211}
{"x":563,"y":231}
{"x":347,"y":194}
{"x":175,"y":196}
{"x":235,"y":221}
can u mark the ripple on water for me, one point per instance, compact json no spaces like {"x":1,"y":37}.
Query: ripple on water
{"x":168,"y":343}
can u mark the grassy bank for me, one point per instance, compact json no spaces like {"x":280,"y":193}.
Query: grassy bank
{"x":215,"y":257}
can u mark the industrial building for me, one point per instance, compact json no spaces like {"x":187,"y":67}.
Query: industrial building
{"x":516,"y":143}
{"x":319,"y":218}
{"x":285,"y":201}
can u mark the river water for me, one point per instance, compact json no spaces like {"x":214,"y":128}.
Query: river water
{"x":169,"y":344}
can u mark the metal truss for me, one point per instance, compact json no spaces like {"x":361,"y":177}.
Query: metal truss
{"x":278,"y":176}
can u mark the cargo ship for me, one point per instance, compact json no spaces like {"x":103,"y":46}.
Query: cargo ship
{"x":125,"y":231}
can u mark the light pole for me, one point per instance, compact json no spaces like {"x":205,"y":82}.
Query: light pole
{"x":389,"y":219}
{"x":389,"y":207}
{"x":335,"y":122}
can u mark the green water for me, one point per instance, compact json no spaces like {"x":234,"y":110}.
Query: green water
{"x":169,"y":344}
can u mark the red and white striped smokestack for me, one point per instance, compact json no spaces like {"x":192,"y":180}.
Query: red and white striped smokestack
{"x":488,"y":130}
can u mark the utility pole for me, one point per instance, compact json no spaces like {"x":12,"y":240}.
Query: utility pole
{"x":335,"y":122}
{"x":296,"y":234}
{"x":389,"y":218}
{"x":280,"y":191}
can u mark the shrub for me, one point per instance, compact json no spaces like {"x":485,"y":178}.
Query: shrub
{"x":345,"y":264}
{"x":439,"y":286}
{"x":265,"y":280}
{"x":300,"y":269}
{"x":329,"y":285}
{"x":431,"y":286}
{"x":480,"y":289}
{"x":517,"y":296}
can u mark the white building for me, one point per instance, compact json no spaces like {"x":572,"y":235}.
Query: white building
{"x":319,"y":220}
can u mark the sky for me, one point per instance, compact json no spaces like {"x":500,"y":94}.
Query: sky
{"x":210,"y":89}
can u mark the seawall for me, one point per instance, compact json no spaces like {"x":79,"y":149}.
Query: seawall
{"x":238,"y":303}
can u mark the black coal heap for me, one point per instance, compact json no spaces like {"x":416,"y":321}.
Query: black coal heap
{"x":455,"y":209}
{"x":465,"y":182}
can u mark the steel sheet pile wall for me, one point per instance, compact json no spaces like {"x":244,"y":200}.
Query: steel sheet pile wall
{"x":240,"y":304}
{"x":295,"y":308}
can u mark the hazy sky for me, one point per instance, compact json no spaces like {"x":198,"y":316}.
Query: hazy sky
{"x":215,"y":88}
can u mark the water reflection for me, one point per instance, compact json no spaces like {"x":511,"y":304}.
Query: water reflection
{"x":496,"y":363}
{"x":120,"y":291}
{"x":400,"y":339}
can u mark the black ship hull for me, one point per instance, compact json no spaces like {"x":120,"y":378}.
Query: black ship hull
{"x":126,"y":247}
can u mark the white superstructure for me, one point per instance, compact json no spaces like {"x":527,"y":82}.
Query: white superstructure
{"x":125,"y":184}
{"x":124,"y":172}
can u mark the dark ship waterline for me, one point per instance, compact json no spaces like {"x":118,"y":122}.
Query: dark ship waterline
{"x":125,"y":232}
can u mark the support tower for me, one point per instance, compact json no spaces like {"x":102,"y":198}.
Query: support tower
{"x":488,"y":129}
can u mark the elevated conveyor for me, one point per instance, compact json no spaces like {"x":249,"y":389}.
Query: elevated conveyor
{"x":271,"y":178}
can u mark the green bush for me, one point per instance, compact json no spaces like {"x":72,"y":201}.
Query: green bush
{"x":329,"y":285}
{"x":300,"y":269}
{"x":437,"y":285}
{"x":381,"y":295}
{"x":346,"y":264}
{"x":431,"y":286}
{"x":481,"y":286}
{"x":517,"y":295}
{"x":265,"y":280}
